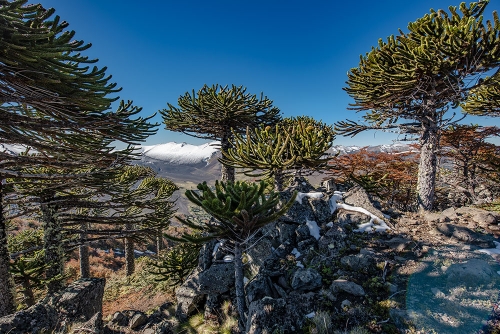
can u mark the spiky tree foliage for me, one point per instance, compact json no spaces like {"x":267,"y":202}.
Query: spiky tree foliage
{"x":410,"y":81}
{"x":475,"y":161}
{"x":214,"y":111}
{"x":55,"y":104}
{"x":29,"y":274}
{"x":176,"y":263}
{"x":131,"y":204}
{"x":28,"y":265}
{"x":485,"y":99}
{"x":240,"y":209}
{"x":294,"y":144}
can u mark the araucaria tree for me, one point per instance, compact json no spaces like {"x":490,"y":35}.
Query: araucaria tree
{"x":294,"y":144}
{"x":55,"y":106}
{"x":240,"y":209}
{"x":214,"y":111}
{"x":409,"y":82}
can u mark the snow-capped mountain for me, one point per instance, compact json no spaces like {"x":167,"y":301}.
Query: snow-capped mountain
{"x":180,"y":153}
{"x":397,"y":147}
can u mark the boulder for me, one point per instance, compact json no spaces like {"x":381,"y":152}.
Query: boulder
{"x":217,"y":279}
{"x":347,"y":286}
{"x":333,"y":241}
{"x":269,"y":315}
{"x":257,"y":254}
{"x":359,"y":262}
{"x":471,"y":273}
{"x":358,"y":197}
{"x":258,"y":288}
{"x":465,"y":235}
{"x":119,"y":319}
{"x":306,"y":279}
{"x":76,"y":304}
{"x":482,"y":217}
{"x":137,"y":320}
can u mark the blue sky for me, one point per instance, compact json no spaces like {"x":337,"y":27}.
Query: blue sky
{"x":296,"y":52}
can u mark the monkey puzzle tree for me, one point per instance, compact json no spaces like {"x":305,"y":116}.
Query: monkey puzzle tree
{"x":214,"y":111}
{"x":54,"y":105}
{"x":240,"y":209}
{"x":276,"y":152}
{"x":409,"y":82}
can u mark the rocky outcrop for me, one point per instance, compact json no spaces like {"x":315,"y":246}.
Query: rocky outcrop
{"x":79,"y":305}
{"x":314,"y":261}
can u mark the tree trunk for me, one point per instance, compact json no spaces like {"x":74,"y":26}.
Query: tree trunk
{"x":83,"y":251}
{"x":52,"y":243}
{"x":427,"y":168}
{"x":239,"y":285}
{"x":227,"y":172}
{"x":278,"y":180}
{"x":159,"y":242}
{"x":7,"y":305}
{"x":129,"y":254}
{"x":29,"y":297}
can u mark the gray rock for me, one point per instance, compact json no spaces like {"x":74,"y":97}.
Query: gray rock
{"x":471,"y":273}
{"x":333,"y":241}
{"x":397,"y":243}
{"x":137,"y":320}
{"x":305,"y":245}
{"x":269,"y":315}
{"x":119,"y":319}
{"x":321,"y":209}
{"x":359,"y":262}
{"x":357,"y":196}
{"x":480,"y":216}
{"x":302,"y":232}
{"x":347,"y":286}
{"x":258,"y":288}
{"x":78,"y":303}
{"x":217,"y":279}
{"x":257,"y":255}
{"x":206,"y":251}
{"x":306,"y":279}
{"x":188,"y":296}
{"x":450,"y":213}
{"x":93,"y":325}
{"x":464,"y":234}
{"x":286,"y":232}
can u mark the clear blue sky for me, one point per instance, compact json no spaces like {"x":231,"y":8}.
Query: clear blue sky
{"x":296,"y":52}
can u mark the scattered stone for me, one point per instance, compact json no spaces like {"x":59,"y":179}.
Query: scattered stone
{"x":138,"y":320}
{"x":471,"y":273}
{"x":119,"y":319}
{"x":347,"y":286}
{"x":306,"y":279}
{"x":78,"y":303}
{"x":358,"y":262}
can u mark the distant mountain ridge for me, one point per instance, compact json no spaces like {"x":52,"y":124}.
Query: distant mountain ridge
{"x":195,"y":163}
{"x":188,"y":154}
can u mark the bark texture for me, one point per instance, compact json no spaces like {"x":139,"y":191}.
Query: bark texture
{"x":239,"y":285}
{"x":7,"y":305}
{"x":83,"y":252}
{"x":52,"y":243}
{"x":129,"y":254}
{"x":227,"y":172}
{"x":426,"y":183}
